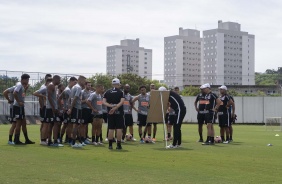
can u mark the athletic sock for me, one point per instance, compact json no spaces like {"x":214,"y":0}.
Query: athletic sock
{"x":118,"y":144}
{"x":10,"y":138}
{"x":93,"y":138}
{"x":227,"y":138}
{"x":56,"y":141}
{"x":222,"y":138}
{"x":168,"y":135}
{"x":101,"y":138}
{"x":154,"y":135}
{"x":97,"y":139}
{"x":230,"y":137}
{"x":111,"y":142}
{"x":212,"y":139}
{"x":140,"y":135}
{"x":208,"y":139}
{"x":201,"y":136}
{"x":26,"y":136}
{"x":73,"y":141}
{"x":132,"y":135}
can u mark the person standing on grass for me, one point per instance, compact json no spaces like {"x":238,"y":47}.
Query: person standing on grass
{"x":232,"y":118}
{"x":127,"y":108}
{"x":177,"y":104}
{"x":95,"y":102}
{"x":86,"y":112}
{"x":19,"y":109}
{"x":201,"y":116}
{"x":65,"y":96}
{"x":75,"y":110}
{"x":143,"y":105}
{"x":211,"y":104}
{"x":52,"y":111}
{"x":114,"y":99}
{"x":223,"y":114}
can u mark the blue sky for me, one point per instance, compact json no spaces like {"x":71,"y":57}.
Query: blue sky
{"x":71,"y":36}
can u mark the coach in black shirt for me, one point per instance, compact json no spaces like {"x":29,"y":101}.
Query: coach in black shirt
{"x":113,"y":99}
{"x":177,"y":104}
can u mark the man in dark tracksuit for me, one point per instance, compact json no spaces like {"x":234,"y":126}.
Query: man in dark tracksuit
{"x":178,"y":105}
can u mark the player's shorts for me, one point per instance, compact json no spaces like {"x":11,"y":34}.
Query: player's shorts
{"x":86,"y":115}
{"x":100,"y":116}
{"x":105,"y":117}
{"x":19,"y":112}
{"x":210,"y":117}
{"x":66,"y":118}
{"x":201,"y":118}
{"x":142,"y":120}
{"x":172,"y":119}
{"x":75,"y":115}
{"x":50,"y":117}
{"x":11,"y":117}
{"x":116,"y":121}
{"x":42,"y":114}
{"x":223,"y":120}
{"x":128,"y":119}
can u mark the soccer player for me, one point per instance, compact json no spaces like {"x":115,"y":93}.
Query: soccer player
{"x":105,"y":118}
{"x":86,"y":113}
{"x":75,"y":109}
{"x":41,"y":94}
{"x":177,"y":104}
{"x":8,"y":94}
{"x":223,"y":114}
{"x":19,"y":111}
{"x":60,"y":103}
{"x":143,"y":105}
{"x":200,"y":108}
{"x":232,"y":117}
{"x":65,"y":96}
{"x":152,"y":88}
{"x":113,"y":99}
{"x":52,"y":111}
{"x":212,"y":102}
{"x":127,"y":108}
{"x":95,"y":102}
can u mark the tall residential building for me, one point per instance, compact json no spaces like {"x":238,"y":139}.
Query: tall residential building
{"x":228,"y":55}
{"x":182,"y":58}
{"x":128,"y":57}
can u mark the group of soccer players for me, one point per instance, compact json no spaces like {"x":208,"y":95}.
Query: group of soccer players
{"x":69,"y":111}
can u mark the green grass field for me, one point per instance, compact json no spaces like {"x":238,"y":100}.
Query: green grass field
{"x":247,"y":160}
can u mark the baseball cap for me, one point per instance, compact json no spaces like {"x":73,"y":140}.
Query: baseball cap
{"x":207,"y":85}
{"x":223,"y":87}
{"x":115,"y":81}
{"x":162,"y":88}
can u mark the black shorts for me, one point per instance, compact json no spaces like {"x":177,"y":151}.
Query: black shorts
{"x":210,"y":118}
{"x":19,"y":112}
{"x":11,"y":117}
{"x":201,"y":118}
{"x":128,"y":119}
{"x":42,"y":114}
{"x":172,"y":119}
{"x":116,"y":121}
{"x":142,"y":120}
{"x":223,"y":120}
{"x":86,"y":115}
{"x":66,"y":118}
{"x":50,"y":117}
{"x":75,"y":115}
{"x":105,"y":117}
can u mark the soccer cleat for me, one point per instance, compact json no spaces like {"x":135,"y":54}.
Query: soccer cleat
{"x":179,"y":146}
{"x":106,"y":139}
{"x":154,"y":139}
{"x":76,"y":145}
{"x":43,"y":143}
{"x":80,"y":145}
{"x":57,"y":145}
{"x":171,"y":146}
{"x":11,"y":143}
{"x":99,"y":143}
{"x":133,"y":139}
{"x":225,"y":142}
{"x":59,"y":141}
{"x":142,"y":141}
{"x":29,"y":142}
{"x":200,"y":140}
{"x":123,"y":141}
{"x":119,"y":148}
{"x":19,"y":143}
{"x":87,"y":141}
{"x":231,"y":140}
{"x":110,"y":147}
{"x":206,"y":143}
{"x":95,"y":143}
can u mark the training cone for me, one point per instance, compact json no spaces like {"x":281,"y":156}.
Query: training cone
{"x":277,"y":135}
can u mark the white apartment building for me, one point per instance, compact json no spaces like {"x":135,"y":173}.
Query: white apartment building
{"x":228,"y":55}
{"x":128,"y":57}
{"x":182,"y":58}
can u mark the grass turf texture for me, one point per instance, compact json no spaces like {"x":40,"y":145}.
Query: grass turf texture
{"x":247,"y":160}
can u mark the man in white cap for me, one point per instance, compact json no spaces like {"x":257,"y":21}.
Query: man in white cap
{"x":177,"y":104}
{"x":211,"y":104}
{"x":114,"y":99}
{"x":223,"y":114}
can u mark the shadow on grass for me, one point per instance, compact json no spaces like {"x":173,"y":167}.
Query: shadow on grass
{"x":176,"y":149}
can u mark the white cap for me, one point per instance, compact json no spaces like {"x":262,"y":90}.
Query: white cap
{"x":162,"y":88}
{"x":223,"y":87}
{"x":207,"y":85}
{"x":115,"y":81}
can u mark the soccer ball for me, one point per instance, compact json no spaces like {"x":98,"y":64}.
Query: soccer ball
{"x":217,"y":139}
{"x":148,"y":140}
{"x":128,"y":137}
